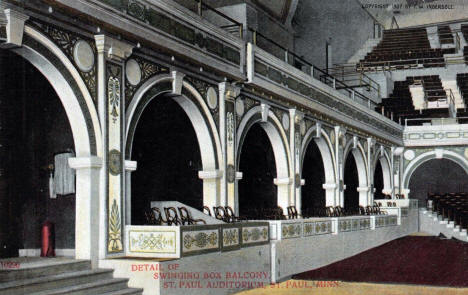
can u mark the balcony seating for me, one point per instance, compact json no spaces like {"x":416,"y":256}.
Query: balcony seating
{"x":451,"y":206}
{"x":445,"y":35}
{"x":462,"y":83}
{"x":464,"y":30}
{"x":400,"y":102}
{"x":403,"y":48}
{"x":292,"y":212}
{"x":171,"y":216}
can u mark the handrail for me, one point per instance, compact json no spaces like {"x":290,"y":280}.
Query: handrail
{"x":376,"y":66}
{"x":315,"y":72}
{"x":201,"y":5}
{"x":442,"y":120}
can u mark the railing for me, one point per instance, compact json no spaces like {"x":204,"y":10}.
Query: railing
{"x":348,"y":74}
{"x":302,"y":64}
{"x":437,"y":121}
{"x":201,"y":6}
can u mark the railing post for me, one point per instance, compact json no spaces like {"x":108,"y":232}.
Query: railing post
{"x":200,"y":7}
{"x":241,"y":31}
{"x":312,"y":71}
{"x":353,"y":95}
{"x":254,"y":37}
{"x":334,"y":82}
{"x":286,"y":55}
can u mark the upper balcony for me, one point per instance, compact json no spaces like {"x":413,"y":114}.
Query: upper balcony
{"x":212,"y":41}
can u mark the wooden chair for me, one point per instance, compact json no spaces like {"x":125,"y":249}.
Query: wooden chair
{"x":172,"y":216}
{"x":207,"y":210}
{"x":154,"y":217}
{"x":220,"y":213}
{"x":186,"y":218}
{"x":292,"y":212}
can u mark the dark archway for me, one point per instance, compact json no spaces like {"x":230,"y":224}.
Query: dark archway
{"x":351,"y":180}
{"x":313,"y":172}
{"x":34,"y":127}
{"x":437,"y":176}
{"x":378,"y":181}
{"x":167,"y":152}
{"x":257,"y":163}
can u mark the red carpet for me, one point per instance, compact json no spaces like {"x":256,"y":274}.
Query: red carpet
{"x":409,"y":260}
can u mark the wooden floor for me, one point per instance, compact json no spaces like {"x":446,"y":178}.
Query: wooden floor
{"x":297,"y":287}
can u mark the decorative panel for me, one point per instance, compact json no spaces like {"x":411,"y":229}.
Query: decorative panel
{"x":114,"y":156}
{"x":200,"y":239}
{"x":255,"y":234}
{"x":291,"y":230}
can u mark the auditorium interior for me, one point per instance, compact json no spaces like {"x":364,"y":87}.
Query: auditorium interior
{"x":233,"y":147}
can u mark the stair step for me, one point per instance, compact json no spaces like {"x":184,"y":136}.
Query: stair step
{"x":99,"y":287}
{"x":128,"y":291}
{"x":44,"y":270}
{"x":54,"y":281}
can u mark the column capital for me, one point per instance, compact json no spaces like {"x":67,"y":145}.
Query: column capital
{"x":114,"y":49}
{"x":14,"y":22}
{"x":213,"y":174}
{"x":85,"y":162}
{"x":282,"y":181}
{"x":130,"y":165}
{"x":231,"y":91}
{"x":329,"y":186}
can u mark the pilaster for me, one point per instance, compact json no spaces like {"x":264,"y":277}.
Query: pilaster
{"x":112,"y":54}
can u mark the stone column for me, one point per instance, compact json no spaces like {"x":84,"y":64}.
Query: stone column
{"x":295,"y":142}
{"x":339,"y":135}
{"x":87,"y":208}
{"x":112,"y":54}
{"x":130,"y":166}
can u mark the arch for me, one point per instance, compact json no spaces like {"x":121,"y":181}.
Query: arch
{"x":278,"y":139}
{"x":193,"y":104}
{"x":361,"y":161}
{"x":326,"y":151}
{"x":82,"y":115}
{"x":197,"y":111}
{"x":44,"y":55}
{"x":386,"y":164}
{"x":435,"y":154}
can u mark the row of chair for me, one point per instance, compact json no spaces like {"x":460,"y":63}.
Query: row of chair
{"x":225,"y":214}
{"x":451,"y":206}
{"x":173,"y":216}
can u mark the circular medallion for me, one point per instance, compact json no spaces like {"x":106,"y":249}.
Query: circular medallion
{"x":303,"y":128}
{"x":285,"y":121}
{"x":115,"y":163}
{"x":231,"y":173}
{"x":409,"y":155}
{"x":83,"y":55}
{"x":133,"y":72}
{"x":212,"y":98}
{"x":240,"y":108}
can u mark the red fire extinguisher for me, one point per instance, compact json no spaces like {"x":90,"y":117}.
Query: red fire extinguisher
{"x":48,"y":240}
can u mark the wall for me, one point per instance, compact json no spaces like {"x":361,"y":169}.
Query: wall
{"x":38,"y":128}
{"x":344,"y":24}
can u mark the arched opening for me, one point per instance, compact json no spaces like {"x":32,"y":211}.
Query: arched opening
{"x":378,"y":181}
{"x":167,"y":151}
{"x":351,"y":180}
{"x":313,"y":172}
{"x":257,"y":163}
{"x":34,"y":129}
{"x":437,"y":176}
